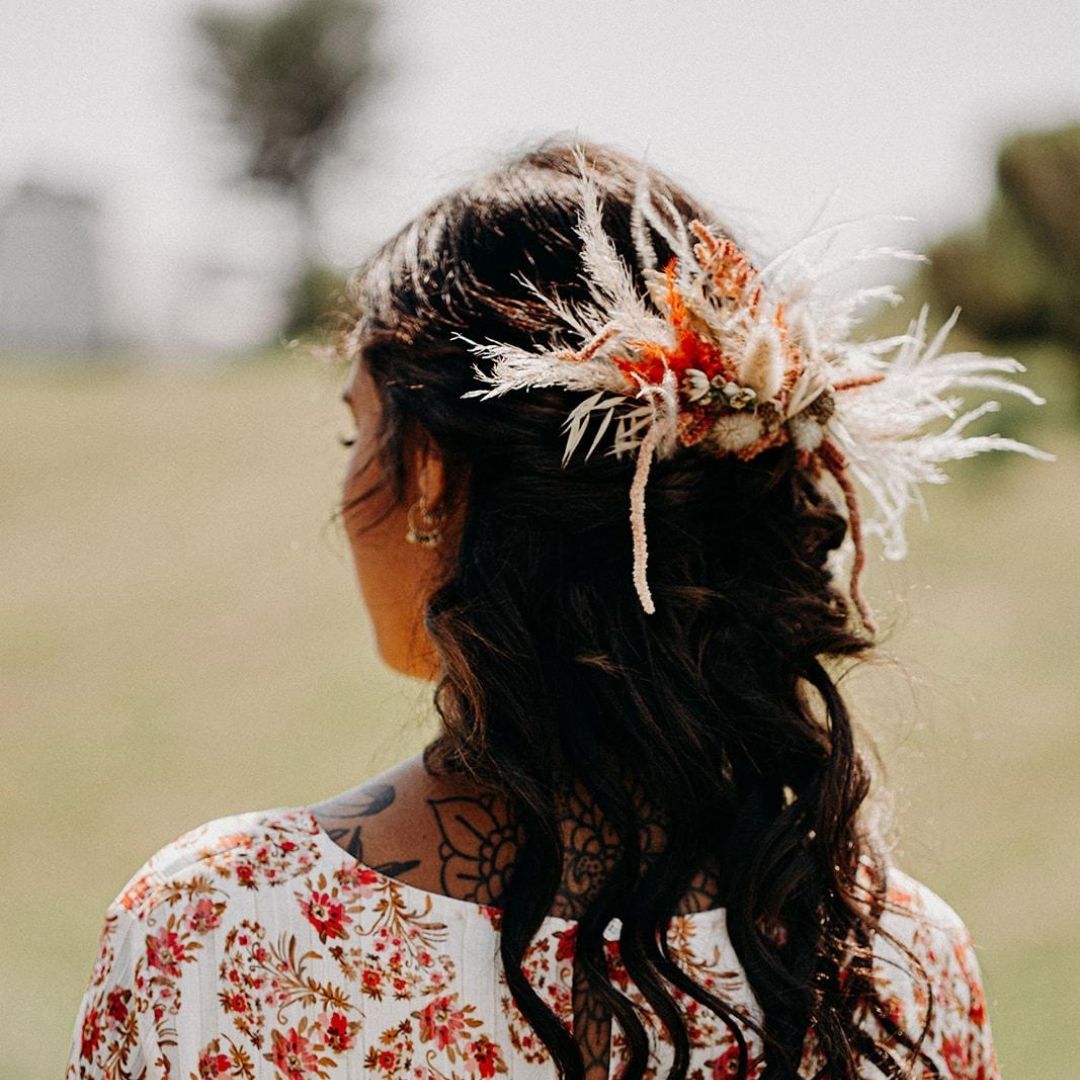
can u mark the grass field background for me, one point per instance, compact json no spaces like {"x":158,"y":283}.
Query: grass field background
{"x":181,"y":638}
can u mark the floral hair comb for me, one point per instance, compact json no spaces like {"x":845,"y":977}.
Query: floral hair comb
{"x":739,"y":360}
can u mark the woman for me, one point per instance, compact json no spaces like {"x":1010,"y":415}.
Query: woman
{"x":637,"y":845}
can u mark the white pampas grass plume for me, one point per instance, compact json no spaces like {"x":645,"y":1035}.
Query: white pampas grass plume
{"x":642,"y":243}
{"x":886,"y":429}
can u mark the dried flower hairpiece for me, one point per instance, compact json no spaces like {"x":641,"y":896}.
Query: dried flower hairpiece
{"x":741,"y":360}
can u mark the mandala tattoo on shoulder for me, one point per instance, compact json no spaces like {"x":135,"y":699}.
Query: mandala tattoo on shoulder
{"x":477,"y":844}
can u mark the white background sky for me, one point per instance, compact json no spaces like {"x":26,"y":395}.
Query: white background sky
{"x":761,"y":106}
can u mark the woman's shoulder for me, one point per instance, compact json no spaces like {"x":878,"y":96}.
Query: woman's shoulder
{"x":928,"y":973}
{"x":917,"y":919}
{"x":223,"y":861}
{"x":172,"y":910}
{"x":912,"y":905}
{"x":239,"y":854}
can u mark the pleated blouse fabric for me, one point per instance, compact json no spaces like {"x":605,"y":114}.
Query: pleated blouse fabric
{"x":255,"y":948}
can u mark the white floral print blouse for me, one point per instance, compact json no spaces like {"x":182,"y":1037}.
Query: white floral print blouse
{"x":255,"y":947}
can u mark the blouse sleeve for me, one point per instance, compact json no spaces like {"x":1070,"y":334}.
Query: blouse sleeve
{"x":940,"y":999}
{"x":110,"y":1038}
{"x":967,"y":1043}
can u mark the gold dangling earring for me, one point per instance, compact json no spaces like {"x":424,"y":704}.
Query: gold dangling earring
{"x":428,"y":534}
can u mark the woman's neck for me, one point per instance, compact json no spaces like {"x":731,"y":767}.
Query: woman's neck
{"x":443,"y":834}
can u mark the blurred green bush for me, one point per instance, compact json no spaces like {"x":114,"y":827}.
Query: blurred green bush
{"x":1017,"y":273}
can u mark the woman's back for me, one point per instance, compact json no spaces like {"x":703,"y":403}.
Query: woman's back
{"x":256,"y":946}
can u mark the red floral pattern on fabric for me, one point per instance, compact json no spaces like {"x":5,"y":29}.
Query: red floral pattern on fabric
{"x":253,"y":947}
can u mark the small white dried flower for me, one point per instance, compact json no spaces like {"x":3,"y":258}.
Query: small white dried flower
{"x":806,"y":432}
{"x":696,"y":384}
{"x":739,"y":397}
{"x":734,"y":433}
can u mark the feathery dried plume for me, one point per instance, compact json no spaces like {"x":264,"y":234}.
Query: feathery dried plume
{"x":740,"y":360}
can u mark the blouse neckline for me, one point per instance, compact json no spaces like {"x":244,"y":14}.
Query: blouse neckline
{"x":467,"y":907}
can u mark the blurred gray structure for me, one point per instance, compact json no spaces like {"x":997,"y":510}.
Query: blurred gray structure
{"x":50,"y":295}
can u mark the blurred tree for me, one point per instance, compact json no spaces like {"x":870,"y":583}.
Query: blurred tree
{"x":1017,"y":274}
{"x":318,"y":293}
{"x":289,"y":78}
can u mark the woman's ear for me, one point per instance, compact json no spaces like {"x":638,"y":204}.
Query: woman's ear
{"x":428,"y":467}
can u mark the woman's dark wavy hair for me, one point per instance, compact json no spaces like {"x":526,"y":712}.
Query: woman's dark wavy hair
{"x":720,"y":705}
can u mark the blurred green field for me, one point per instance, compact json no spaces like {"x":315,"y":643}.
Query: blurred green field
{"x":181,"y":638}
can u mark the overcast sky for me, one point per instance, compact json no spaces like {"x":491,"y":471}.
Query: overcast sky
{"x":768,"y":108}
